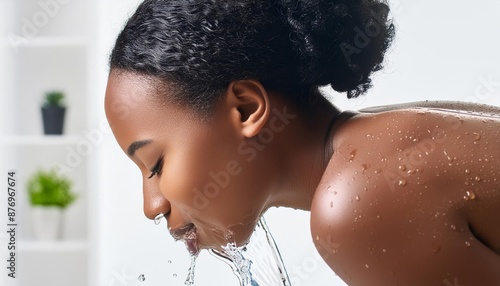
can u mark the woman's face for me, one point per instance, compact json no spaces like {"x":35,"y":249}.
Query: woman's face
{"x":192,"y":171}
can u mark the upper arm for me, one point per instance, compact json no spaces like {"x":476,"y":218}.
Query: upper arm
{"x":388,"y":253}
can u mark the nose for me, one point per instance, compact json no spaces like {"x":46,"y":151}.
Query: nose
{"x":154,"y":201}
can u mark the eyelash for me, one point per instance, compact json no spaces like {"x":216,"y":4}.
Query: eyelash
{"x":156,"y":168}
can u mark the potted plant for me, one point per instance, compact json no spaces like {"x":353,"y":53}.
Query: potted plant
{"x":53,"y":111}
{"x":49,"y":195}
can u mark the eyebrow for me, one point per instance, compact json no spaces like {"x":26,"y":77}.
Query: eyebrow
{"x":136,"y":145}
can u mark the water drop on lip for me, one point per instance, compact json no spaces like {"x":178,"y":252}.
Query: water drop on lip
{"x":467,"y":243}
{"x":158,"y":218}
{"x":141,"y":278}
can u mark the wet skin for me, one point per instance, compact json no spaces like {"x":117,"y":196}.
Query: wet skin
{"x":398,"y":195}
{"x":411,"y":196}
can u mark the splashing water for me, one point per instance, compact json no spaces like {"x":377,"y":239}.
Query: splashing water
{"x":158,"y":218}
{"x":190,"y":277}
{"x":141,"y":278}
{"x":259,"y":262}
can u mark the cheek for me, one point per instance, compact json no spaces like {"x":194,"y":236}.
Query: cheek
{"x":209,"y":181}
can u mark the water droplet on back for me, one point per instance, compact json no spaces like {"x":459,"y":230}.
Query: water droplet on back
{"x":141,"y":278}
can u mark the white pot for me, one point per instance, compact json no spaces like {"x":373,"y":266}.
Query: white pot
{"x":47,"y":222}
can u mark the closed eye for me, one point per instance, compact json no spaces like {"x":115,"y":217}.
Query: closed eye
{"x":156,"y":170}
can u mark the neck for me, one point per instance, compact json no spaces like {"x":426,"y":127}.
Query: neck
{"x":302,"y":151}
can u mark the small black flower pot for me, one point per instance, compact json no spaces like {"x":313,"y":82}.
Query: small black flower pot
{"x":53,"y":119}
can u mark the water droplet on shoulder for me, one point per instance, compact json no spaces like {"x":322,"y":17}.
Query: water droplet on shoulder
{"x":352,"y":155}
{"x":402,"y":182}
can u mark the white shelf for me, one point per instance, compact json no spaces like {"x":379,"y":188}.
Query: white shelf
{"x":37,"y":58}
{"x":40,"y":140}
{"x":52,"y":246}
{"x":44,"y":42}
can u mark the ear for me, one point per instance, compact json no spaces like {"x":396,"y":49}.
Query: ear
{"x":249,"y":103}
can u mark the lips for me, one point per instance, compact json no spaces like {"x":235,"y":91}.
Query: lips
{"x":187,"y":233}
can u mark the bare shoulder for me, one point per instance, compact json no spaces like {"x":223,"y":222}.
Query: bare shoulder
{"x":402,"y":192}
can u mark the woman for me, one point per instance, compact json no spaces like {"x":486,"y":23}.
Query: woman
{"x":217,"y":103}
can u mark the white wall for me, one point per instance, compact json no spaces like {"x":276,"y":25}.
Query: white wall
{"x":443,"y":50}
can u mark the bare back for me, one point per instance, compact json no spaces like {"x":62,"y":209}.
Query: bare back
{"x":411,"y":196}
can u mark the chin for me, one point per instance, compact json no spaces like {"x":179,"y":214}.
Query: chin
{"x":216,"y":239}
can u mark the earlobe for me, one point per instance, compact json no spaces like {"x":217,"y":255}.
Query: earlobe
{"x":251,"y":107}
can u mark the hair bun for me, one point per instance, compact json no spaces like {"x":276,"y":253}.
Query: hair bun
{"x":338,"y":42}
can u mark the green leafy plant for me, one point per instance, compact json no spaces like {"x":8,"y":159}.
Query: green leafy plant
{"x":54,"y":98}
{"x":47,"y":188}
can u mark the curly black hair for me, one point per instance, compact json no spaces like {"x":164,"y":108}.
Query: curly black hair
{"x":291,"y":46}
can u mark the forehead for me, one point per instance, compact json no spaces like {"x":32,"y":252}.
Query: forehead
{"x":136,"y":109}
{"x":128,"y":99}
{"x":128,"y":88}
